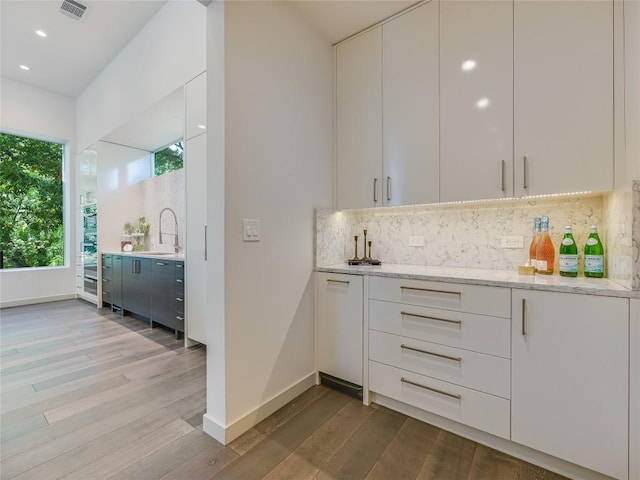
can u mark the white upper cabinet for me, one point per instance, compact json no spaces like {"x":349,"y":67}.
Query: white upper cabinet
{"x":563,"y":96}
{"x":410,"y":107}
{"x":196,"y":106}
{"x":359,"y":121}
{"x":476,"y":100}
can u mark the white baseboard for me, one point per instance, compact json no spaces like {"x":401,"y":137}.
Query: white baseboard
{"x":527,"y":454}
{"x":36,"y":300}
{"x":229,"y":433}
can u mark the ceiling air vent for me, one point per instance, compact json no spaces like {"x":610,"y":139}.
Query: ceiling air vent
{"x":73,"y":9}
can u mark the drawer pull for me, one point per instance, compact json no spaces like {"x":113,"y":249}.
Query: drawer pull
{"x":413,"y":349}
{"x":338,"y":281}
{"x":161,"y":264}
{"x":178,"y":299}
{"x":179,"y":318}
{"x":430,"y":290}
{"x":179,"y":280}
{"x":452,"y":395}
{"x":457,"y":322}
{"x":179,"y":265}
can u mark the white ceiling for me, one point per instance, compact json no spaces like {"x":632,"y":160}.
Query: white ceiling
{"x":339,"y":19}
{"x":75,"y":51}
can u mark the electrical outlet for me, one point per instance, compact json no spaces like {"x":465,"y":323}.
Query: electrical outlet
{"x":416,"y":241}
{"x":512,"y":241}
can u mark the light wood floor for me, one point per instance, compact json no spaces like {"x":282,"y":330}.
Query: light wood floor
{"x":89,"y":395}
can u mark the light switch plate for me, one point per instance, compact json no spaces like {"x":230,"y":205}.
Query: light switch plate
{"x":512,"y":241}
{"x":416,"y":241}
{"x":250,"y":230}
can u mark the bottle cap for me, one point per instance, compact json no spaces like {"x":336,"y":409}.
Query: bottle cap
{"x":567,"y":229}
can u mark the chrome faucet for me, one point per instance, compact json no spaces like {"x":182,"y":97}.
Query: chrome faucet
{"x":175,"y":220}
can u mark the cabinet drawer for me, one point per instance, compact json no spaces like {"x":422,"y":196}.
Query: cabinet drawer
{"x":485,"y":373}
{"x":470,"y":407}
{"x":164,"y":267}
{"x":495,"y":301}
{"x":479,"y":333}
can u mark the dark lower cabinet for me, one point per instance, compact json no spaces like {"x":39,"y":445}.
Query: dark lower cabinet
{"x":136,"y":285}
{"x":150,"y":288}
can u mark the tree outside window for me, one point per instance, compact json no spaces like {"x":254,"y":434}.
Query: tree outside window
{"x":31,"y":202}
{"x":168,"y":159}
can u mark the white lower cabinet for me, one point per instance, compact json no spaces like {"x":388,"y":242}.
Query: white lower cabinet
{"x":427,"y":349}
{"x":570,"y":378}
{"x":339,"y":324}
{"x":464,"y":405}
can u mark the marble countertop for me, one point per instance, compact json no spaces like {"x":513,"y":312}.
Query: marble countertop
{"x":153,"y":254}
{"x":500,"y":278}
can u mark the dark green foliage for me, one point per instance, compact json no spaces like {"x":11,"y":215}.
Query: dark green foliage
{"x":168,"y":159}
{"x":31,"y":202}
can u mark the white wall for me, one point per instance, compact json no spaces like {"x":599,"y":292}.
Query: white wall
{"x":120,"y":173}
{"x":168,"y":51}
{"x":35,"y":112}
{"x":278,"y":167}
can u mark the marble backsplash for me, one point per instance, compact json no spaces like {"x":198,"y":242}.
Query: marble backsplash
{"x":455,"y":235}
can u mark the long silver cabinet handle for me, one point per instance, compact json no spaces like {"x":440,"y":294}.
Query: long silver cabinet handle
{"x":429,"y":290}
{"x":388,"y":189}
{"x":205,"y":243}
{"x":375,"y":190}
{"x":413,"y":349}
{"x":338,"y":281}
{"x":525,"y":168}
{"x":524,"y":318}
{"x":446,"y":320}
{"x":504,"y":179}
{"x":441,"y":392}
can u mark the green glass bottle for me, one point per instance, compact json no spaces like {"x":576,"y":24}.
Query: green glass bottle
{"x":593,"y":255}
{"x":568,"y":255}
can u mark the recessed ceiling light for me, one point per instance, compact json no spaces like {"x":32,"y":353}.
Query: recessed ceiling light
{"x":24,"y":67}
{"x":40,"y":33}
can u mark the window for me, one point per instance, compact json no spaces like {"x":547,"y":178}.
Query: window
{"x":168,"y":159}
{"x":31,"y":202}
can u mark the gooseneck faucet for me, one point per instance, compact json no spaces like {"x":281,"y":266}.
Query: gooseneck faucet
{"x":175,"y":221}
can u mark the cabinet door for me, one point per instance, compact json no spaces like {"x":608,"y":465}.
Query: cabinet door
{"x":116,"y":280}
{"x":163,"y":293}
{"x":359,"y":121}
{"x":339,"y":320}
{"x":136,"y":285}
{"x":476,"y":100}
{"x":563,"y":96}
{"x":195,"y":94}
{"x":196,"y":271}
{"x":410,"y":107}
{"x":569,"y":383}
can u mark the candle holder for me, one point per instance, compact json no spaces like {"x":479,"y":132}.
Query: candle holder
{"x":355,"y":257}
{"x":366,"y":259}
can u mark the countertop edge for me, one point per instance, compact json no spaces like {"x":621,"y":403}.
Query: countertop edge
{"x":164,"y":256}
{"x":526,"y":282}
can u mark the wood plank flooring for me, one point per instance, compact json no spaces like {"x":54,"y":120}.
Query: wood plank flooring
{"x":89,"y":395}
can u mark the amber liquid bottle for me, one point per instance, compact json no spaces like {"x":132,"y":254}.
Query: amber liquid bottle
{"x":534,"y":242}
{"x":545,"y":251}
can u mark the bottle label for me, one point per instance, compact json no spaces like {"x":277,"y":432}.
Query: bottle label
{"x":567,"y":241}
{"x":592,"y":241}
{"x":594,"y":263}
{"x":541,"y":265}
{"x":569,"y":263}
